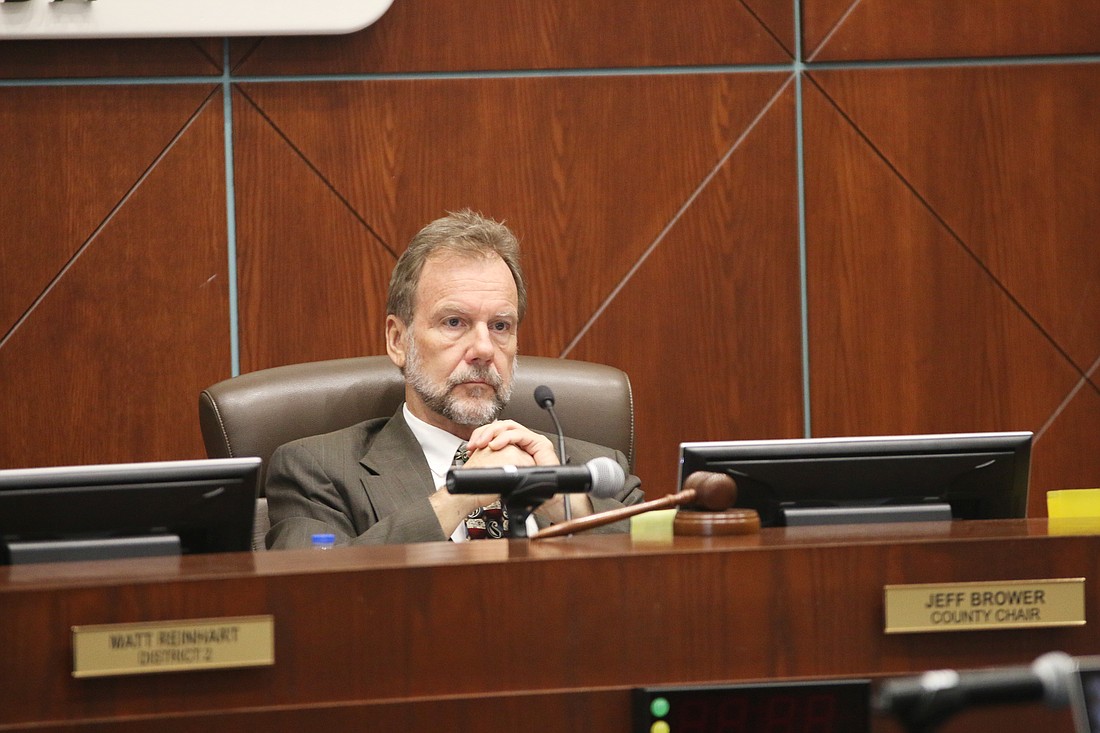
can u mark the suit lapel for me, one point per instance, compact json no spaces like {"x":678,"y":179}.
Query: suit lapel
{"x":395,"y":463}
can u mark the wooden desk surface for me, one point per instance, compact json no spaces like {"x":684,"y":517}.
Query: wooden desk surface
{"x":559,"y":630}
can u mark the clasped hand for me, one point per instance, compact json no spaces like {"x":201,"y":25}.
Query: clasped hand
{"x":507,"y":443}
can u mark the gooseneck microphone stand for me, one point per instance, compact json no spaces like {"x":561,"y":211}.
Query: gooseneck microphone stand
{"x":544,"y":396}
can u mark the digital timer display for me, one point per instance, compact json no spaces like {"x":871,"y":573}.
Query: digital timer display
{"x":794,"y":707}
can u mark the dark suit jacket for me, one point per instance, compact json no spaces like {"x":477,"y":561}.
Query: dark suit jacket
{"x":370,"y":484}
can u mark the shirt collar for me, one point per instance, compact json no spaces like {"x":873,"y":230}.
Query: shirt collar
{"x":438,"y":445}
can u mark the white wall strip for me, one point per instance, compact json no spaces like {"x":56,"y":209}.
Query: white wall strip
{"x":186,"y":18}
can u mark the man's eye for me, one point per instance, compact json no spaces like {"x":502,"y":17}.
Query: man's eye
{"x":502,"y":326}
{"x":453,"y":322}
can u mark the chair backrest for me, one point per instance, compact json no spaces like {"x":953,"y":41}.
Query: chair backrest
{"x":255,"y":413}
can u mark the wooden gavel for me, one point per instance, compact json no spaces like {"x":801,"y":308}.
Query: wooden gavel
{"x":713,"y":492}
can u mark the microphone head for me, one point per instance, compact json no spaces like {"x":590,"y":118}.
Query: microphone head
{"x":608,"y":477}
{"x":544,"y":396}
{"x":1056,"y":670}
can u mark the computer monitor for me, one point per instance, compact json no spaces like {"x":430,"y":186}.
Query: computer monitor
{"x":872,"y":479}
{"x":127,"y":510}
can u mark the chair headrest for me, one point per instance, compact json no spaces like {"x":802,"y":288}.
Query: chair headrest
{"x":255,"y":413}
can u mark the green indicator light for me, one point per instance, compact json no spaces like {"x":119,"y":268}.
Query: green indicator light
{"x":659,"y":707}
{"x":659,"y":727}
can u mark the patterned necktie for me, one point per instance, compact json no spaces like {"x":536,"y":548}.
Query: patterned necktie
{"x":487,"y":522}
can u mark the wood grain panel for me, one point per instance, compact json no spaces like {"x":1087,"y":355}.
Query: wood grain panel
{"x":884,"y":29}
{"x":708,"y":327}
{"x":587,"y":171}
{"x":820,"y":19}
{"x":108,"y":366}
{"x":70,"y":155}
{"x":1008,"y":158}
{"x":597,"y":711}
{"x":778,"y":17}
{"x":908,"y":333}
{"x":82,"y":59}
{"x":589,"y":711}
{"x":442,"y":35}
{"x":313,"y":276}
{"x":1065,"y":455}
{"x":240,"y":49}
{"x":782,"y":604}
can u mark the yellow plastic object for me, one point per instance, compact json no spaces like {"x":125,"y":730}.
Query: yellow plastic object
{"x":655,"y":526}
{"x":1074,"y":511}
{"x":1073,"y":503}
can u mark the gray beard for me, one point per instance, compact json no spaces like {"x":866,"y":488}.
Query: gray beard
{"x":440,"y":398}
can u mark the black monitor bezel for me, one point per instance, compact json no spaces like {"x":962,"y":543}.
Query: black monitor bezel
{"x":828,"y":455}
{"x":209,"y":504}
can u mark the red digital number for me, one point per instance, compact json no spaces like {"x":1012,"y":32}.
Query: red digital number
{"x":732,"y":716}
{"x":692,"y":716}
{"x":820,"y":714}
{"x":779,"y":714}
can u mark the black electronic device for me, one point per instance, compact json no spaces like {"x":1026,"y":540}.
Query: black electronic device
{"x":923,"y":703}
{"x":836,"y":706}
{"x":108,"y":511}
{"x":872,"y":479}
{"x":1084,"y":695}
{"x":523,"y":489}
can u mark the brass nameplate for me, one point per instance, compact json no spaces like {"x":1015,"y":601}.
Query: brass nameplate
{"x":1011,"y":604}
{"x":171,"y":646}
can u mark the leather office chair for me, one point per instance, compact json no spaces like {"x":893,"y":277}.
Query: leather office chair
{"x":255,"y":413}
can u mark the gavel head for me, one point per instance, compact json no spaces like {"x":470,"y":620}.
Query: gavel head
{"x":710,"y":514}
{"x":714,"y":492}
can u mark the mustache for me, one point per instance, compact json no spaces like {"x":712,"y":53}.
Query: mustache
{"x":486,"y":374}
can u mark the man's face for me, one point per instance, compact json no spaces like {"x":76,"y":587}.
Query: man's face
{"x":459,"y":353}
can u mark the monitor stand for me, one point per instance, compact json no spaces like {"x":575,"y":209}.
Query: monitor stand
{"x":107,"y":548}
{"x":808,"y":516}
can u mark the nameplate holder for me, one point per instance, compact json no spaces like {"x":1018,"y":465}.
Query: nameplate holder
{"x":109,"y":650}
{"x":972,"y":606}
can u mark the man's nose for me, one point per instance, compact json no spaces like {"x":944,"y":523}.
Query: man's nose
{"x":481,"y":348}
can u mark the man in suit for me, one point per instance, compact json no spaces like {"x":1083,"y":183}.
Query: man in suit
{"x":456,"y":300}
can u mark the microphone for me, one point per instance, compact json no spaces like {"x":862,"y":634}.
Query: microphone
{"x":601,"y":477}
{"x":936,"y":695}
{"x":545,"y":399}
{"x":704,"y":489}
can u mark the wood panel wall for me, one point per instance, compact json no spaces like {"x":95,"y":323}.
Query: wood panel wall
{"x":781,"y":217}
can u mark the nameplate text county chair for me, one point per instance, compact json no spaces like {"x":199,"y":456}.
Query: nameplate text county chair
{"x":255,"y":413}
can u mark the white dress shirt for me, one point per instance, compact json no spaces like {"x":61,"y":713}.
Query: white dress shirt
{"x":439,"y":448}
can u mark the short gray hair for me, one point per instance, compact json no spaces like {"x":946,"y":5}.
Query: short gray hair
{"x":463,"y":233}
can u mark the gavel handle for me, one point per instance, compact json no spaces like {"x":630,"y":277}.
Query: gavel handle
{"x":598,"y":520}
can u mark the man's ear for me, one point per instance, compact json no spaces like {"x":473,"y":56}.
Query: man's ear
{"x":395,"y":340}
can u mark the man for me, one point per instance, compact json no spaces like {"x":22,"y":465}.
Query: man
{"x":456,"y":299}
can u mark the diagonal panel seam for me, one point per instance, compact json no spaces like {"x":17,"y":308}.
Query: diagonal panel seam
{"x":202,"y":52}
{"x":767,"y":29}
{"x":951,"y":231}
{"x":832,"y":31}
{"x":107,"y":219}
{"x":317,"y":172}
{"x":241,"y":61}
{"x":1081,"y":383}
{"x":715,"y":169}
